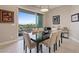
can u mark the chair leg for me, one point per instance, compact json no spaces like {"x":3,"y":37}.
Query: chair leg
{"x":61,"y":37}
{"x":30,"y":50}
{"x":49,"y":49}
{"x":59,"y":43}
{"x":41,"y":48}
{"x":61,"y":40}
{"x":54,"y":47}
{"x":24,"y":44}
{"x":26,"y":49}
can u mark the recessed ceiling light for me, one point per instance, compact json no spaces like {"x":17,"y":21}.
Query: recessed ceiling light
{"x":44,"y":10}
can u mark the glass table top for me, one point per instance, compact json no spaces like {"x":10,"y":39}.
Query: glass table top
{"x":36,"y":37}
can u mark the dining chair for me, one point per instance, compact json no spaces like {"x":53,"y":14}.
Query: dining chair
{"x":35,"y":30}
{"x":27,"y":42}
{"x":58,"y":38}
{"x":65,"y":32}
{"x":51,"y":41}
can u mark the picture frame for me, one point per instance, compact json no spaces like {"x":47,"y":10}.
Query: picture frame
{"x":56,"y":19}
{"x":75,"y":17}
{"x":6,"y":16}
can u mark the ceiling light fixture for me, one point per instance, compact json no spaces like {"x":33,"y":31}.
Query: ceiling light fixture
{"x":44,"y":9}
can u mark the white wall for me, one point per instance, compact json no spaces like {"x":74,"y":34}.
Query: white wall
{"x":8,"y":31}
{"x":65,"y":13}
{"x":64,"y":16}
{"x":74,"y":26}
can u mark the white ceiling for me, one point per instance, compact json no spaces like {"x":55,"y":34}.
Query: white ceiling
{"x":36,"y":8}
{"x":46,"y":6}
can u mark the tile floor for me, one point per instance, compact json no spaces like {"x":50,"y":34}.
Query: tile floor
{"x":68,"y":46}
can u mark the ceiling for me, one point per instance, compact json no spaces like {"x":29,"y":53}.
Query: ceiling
{"x":46,"y":6}
{"x":37,"y":8}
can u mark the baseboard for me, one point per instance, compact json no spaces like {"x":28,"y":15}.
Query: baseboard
{"x":74,"y":39}
{"x":7,"y":42}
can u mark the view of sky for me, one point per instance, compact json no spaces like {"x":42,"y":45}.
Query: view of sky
{"x":25,"y":18}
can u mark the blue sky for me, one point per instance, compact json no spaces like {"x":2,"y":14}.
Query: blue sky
{"x":25,"y":18}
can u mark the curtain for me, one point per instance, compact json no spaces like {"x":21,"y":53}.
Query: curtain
{"x":39,"y":20}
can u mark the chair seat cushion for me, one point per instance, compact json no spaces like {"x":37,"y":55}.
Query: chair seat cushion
{"x":46,"y":42}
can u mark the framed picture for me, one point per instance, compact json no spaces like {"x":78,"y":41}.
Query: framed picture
{"x":6,"y":16}
{"x":56,"y":19}
{"x":75,"y":17}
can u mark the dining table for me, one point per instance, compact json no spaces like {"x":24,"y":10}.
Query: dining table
{"x":37,"y":38}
